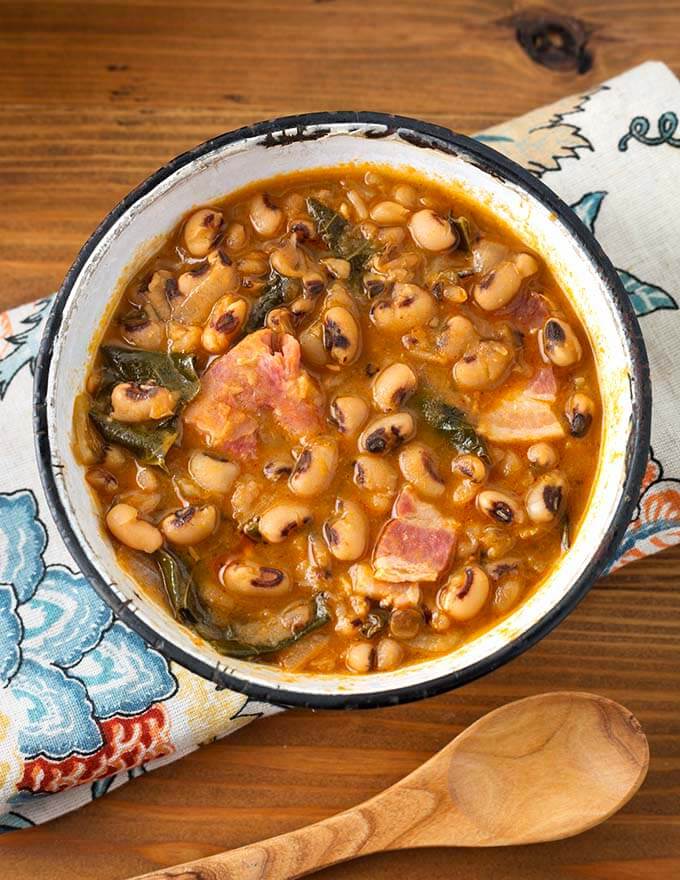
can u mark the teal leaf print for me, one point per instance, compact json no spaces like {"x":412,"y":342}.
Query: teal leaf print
{"x":588,"y":207}
{"x":13,"y":821}
{"x":645,"y":298}
{"x":24,"y":344}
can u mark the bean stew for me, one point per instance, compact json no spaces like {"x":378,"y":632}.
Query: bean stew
{"x":342,"y":421}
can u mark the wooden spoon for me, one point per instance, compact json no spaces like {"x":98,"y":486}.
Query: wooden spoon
{"x":539,"y":769}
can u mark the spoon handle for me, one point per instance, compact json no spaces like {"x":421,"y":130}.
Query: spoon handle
{"x":382,"y":823}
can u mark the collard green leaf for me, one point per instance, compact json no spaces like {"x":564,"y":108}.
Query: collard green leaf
{"x":466,"y":235}
{"x":454,"y":423}
{"x":375,"y":622}
{"x":343,"y":240}
{"x":330,"y":225}
{"x":185,"y":602}
{"x":173,"y":371}
{"x":273,"y":295}
{"x":149,"y":444}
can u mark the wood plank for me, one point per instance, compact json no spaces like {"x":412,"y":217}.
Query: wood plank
{"x":95,"y":96}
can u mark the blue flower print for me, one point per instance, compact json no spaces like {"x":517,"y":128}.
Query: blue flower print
{"x":10,"y":634}
{"x":64,"y":619}
{"x":55,"y":713}
{"x":123,"y":676}
{"x":22,"y":543}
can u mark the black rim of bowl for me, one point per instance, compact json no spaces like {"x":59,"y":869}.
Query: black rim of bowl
{"x":293,"y":128}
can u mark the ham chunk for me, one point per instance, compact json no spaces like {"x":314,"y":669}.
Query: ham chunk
{"x":416,"y":544}
{"x":520,"y":418}
{"x":260,"y":375}
{"x":400,"y":595}
{"x":543,"y":386}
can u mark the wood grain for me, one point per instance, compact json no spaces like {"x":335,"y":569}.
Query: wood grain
{"x":98,"y":93}
{"x":494,"y":785}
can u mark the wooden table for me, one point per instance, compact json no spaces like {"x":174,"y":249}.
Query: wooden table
{"x":98,"y":93}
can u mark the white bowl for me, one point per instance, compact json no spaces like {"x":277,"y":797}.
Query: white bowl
{"x":130,"y":234}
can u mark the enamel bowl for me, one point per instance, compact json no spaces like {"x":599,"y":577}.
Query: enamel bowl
{"x":130,"y":234}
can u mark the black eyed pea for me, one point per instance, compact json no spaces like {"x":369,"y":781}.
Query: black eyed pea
{"x":201,"y":230}
{"x":408,"y":306}
{"x":280,"y":321}
{"x":140,"y":331}
{"x":313,"y":284}
{"x":356,"y":201}
{"x":432,"y":232}
{"x":138,"y":403}
{"x":254,"y":264}
{"x":202,"y":292}
{"x":213,"y":474}
{"x":300,"y":308}
{"x":506,"y":595}
{"x":349,"y":414}
{"x":418,"y":465}
{"x":339,"y":296}
{"x":346,"y":531}
{"x":102,"y":480}
{"x":579,"y":410}
{"x":265,"y":216}
{"x":457,"y":336}
{"x":374,"y":285}
{"x":281,"y":520}
{"x":225,"y":323}
{"x":396,"y":269}
{"x":501,"y":507}
{"x":160,"y":293}
{"x":495,"y":542}
{"x":542,"y":455}
{"x":545,"y":499}
{"x":302,"y":228}
{"x":391,"y":237}
{"x":499,"y":286}
{"x":465,"y":492}
{"x":388,"y":213}
{"x":312,"y":345}
{"x":184,"y":338}
{"x":484,"y":366}
{"x":378,"y":479}
{"x":469,"y":466}
{"x":559,"y":343}
{"x":341,"y":336}
{"x":276,"y":468}
{"x":405,"y":623}
{"x":393,"y":386}
{"x":288,"y":260}
{"x":337,"y":268}
{"x":406,"y":195}
{"x":387,"y":433}
{"x":464,"y":594}
{"x":124,"y":524}
{"x":359,"y":657}
{"x":250,"y":579}
{"x":388,"y":654}
{"x":315,"y":468}
{"x":235,"y":237}
{"x":190,"y":525}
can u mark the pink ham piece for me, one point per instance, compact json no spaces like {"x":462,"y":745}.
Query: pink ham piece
{"x":262,"y":374}
{"x":520,"y":418}
{"x":543,"y":385}
{"x":529,"y":310}
{"x":416,"y":544}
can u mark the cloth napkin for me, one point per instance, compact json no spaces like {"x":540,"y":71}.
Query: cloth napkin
{"x":85,"y":703}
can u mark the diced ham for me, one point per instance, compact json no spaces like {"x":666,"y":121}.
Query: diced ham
{"x":543,"y":385}
{"x":416,"y":544}
{"x":529,"y":310}
{"x":520,"y":418}
{"x":259,"y":375}
{"x":399,"y":595}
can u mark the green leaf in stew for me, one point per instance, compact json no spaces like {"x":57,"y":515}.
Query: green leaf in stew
{"x":149,"y":444}
{"x":175,"y":372}
{"x":228,"y":639}
{"x":273,"y":295}
{"x":454,"y":423}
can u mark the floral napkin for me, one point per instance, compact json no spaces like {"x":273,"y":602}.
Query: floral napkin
{"x":85,"y":703}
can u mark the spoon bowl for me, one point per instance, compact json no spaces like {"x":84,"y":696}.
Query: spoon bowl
{"x":539,"y":769}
